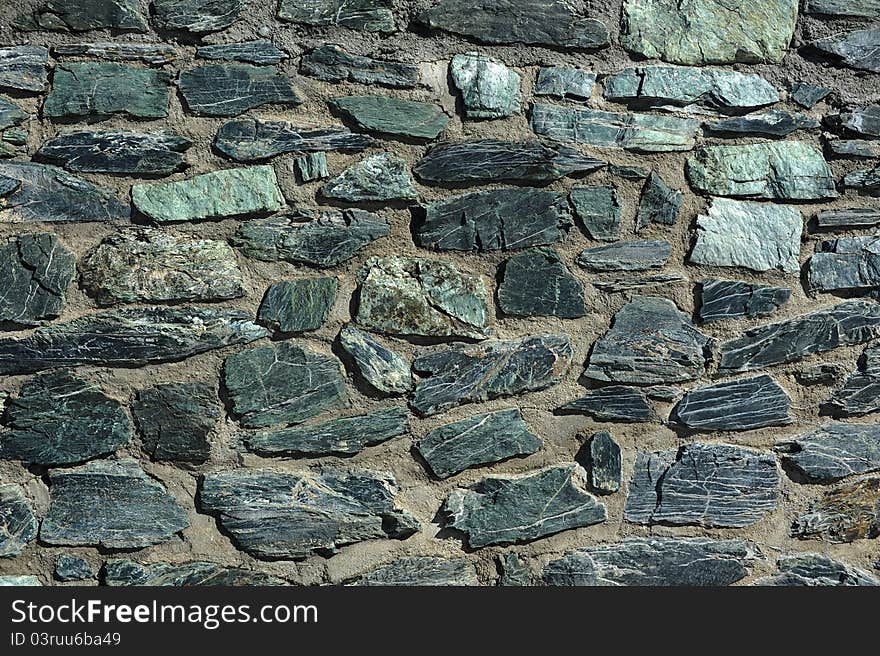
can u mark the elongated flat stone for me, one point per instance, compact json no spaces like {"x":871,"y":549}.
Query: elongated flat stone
{"x":811,"y":570}
{"x":855,"y":148}
{"x":860,"y":393}
{"x":638,"y":283}
{"x":739,"y":405}
{"x":476,"y":441}
{"x":283,"y":383}
{"x":342,"y":436}
{"x":854,"y":49}
{"x":613,"y":403}
{"x":130,"y":573}
{"x":382,"y":177}
{"x":154,"y":54}
{"x":63,"y":16}
{"x":111,"y":504}
{"x":272,"y":514}
{"x":598,"y":209}
{"x":251,"y":52}
{"x":468,"y":374}
{"x":488,"y":88}
{"x":415,"y":296}
{"x":864,"y":121}
{"x":394,"y":116}
{"x":127,"y":338}
{"x":847,"y":512}
{"x":332,"y":63}
{"x":846,"y":264}
{"x":626,"y":256}
{"x":865,"y":181}
{"x":119,"y":151}
{"x":604,"y":463}
{"x":24,"y":68}
{"x":658,"y":203}
{"x":197,"y":16}
{"x":18,"y":526}
{"x":232,"y":89}
{"x":537,"y":283}
{"x":175,"y":420}
{"x":851,"y":217}
{"x":775,"y":123}
{"x":731,"y":299}
{"x":381,"y":367}
{"x":299,"y":305}
{"x":564,"y":82}
{"x":58,"y":419}
{"x":819,"y":374}
{"x":72,"y":568}
{"x":35,"y":272}
{"x":858,"y":8}
{"x":24,"y":580}
{"x":105,"y":88}
{"x":809,"y":95}
{"x":216,"y":195}
{"x":423,"y":570}
{"x":367,"y":15}
{"x":833,"y":451}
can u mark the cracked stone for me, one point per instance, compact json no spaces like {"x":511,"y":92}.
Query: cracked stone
{"x":311,"y":167}
{"x":613,"y":403}
{"x":381,"y":367}
{"x":300,"y":305}
{"x":599,"y":210}
{"x":658,"y":203}
{"x":846,"y":264}
{"x":35,"y":272}
{"x":72,"y":568}
{"x":382,"y":177}
{"x":128,"y":573}
{"x":731,"y":299}
{"x":18,"y":526}
{"x":564,"y":82}
{"x":393,"y":116}
{"x":866,"y":181}
{"x":538,"y":283}
{"x":604,"y":463}
{"x":488,"y":88}
{"x":154,"y":54}
{"x":626,"y":256}
{"x":860,"y":393}
{"x":24,"y":68}
{"x":367,"y":15}
{"x":847,"y":512}
{"x":197,"y":16}
{"x":332,"y":63}
{"x":106,"y":88}
{"x":806,"y":569}
{"x":854,"y":49}
{"x":120,"y":151}
{"x":864,"y":120}
{"x":251,"y":52}
{"x":775,"y":123}
{"x":175,"y":420}
{"x":63,"y":16}
{"x":422,"y":570}
{"x":739,"y":405}
{"x":10,"y":114}
{"x":232,"y":89}
{"x":833,"y":451}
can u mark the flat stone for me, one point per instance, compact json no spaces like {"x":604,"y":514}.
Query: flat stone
{"x":283,"y":383}
{"x":175,"y":420}
{"x":382,"y":368}
{"x":650,"y":561}
{"x":421,"y":571}
{"x":63,"y":16}
{"x":415,"y":296}
{"x":221,"y":194}
{"x":130,"y":573}
{"x":658,"y":203}
{"x":858,"y":8}
{"x":477,"y":441}
{"x":626,"y":256}
{"x":18,"y":526}
{"x":865,"y":181}
{"x":604,"y":463}
{"x":232,"y":89}
{"x":646,"y":133}
{"x":488,"y":88}
{"x":754,"y":236}
{"x":853,"y":217}
{"x":154,"y":54}
{"x":638,"y":283}
{"x":628,"y":172}
{"x":106,"y":88}
{"x":740,"y":405}
{"x":322,"y":238}
{"x":812,"y":570}
{"x":855,"y":148}
{"x":72,"y":568}
{"x":119,"y":151}
{"x":862,"y":120}
{"x":467,"y":374}
{"x":833,"y":451}
{"x":147,"y":265}
{"x":731,"y":299}
{"x":514,"y":571}
{"x":707,"y":32}
{"x":332,"y":63}
{"x":539,"y":22}
{"x":648,"y":471}
{"x":819,"y":374}
{"x":537,"y":283}
{"x":24,"y":580}
{"x":251,"y":52}
{"x":59,"y":419}
{"x":10,"y":114}
{"x":860,"y":393}
{"x":197,"y":16}
{"x":294,"y":306}
{"x":564,"y":82}
{"x":509,"y":510}
{"x":35,"y":272}
{"x":598,"y":209}
{"x":128,"y":337}
{"x":274,"y":515}
{"x":854,"y":49}
{"x":111,"y":504}
{"x":775,"y":123}
{"x":847,"y":512}
{"x":312,"y":166}
{"x":24,"y":68}
{"x":382,"y":177}
{"x":846,"y":264}
{"x":366,"y":15}
{"x":809,"y":95}
{"x":393,"y":116}
{"x":491,"y":160}
{"x":613,"y":403}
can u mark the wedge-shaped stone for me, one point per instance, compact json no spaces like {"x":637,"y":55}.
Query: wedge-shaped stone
{"x":232,"y":89}
{"x":272,"y":514}
{"x":626,"y":256}
{"x":812,"y":570}
{"x":599,"y":211}
{"x":854,"y":49}
{"x":72,"y":568}
{"x":332,"y":63}
{"x":658,"y":203}
{"x":468,"y":374}
{"x":24,"y":68}
{"x":129,"y":573}
{"x":638,"y":283}
{"x":739,"y":405}
{"x":381,"y":367}
{"x":105,"y":88}
{"x":564,"y":82}
{"x":197,"y":16}
{"x":860,"y":393}
{"x":862,"y":120}
{"x":250,"y":139}
{"x":62,"y":16}
{"x":855,"y":148}
{"x":377,"y":178}
{"x":423,"y":570}
{"x":155,"y":54}
{"x":488,"y":88}
{"x":731,"y":299}
{"x":294,"y":306}
{"x":111,"y":504}
{"x":394,"y":116}
{"x":127,"y":338}
{"x":613,"y":403}
{"x":251,"y":52}
{"x":775,"y":123}
{"x":175,"y":420}
{"x":833,"y":451}
{"x":846,"y":264}
{"x":604,"y":463}
{"x":809,"y":95}
{"x":35,"y":272}
{"x":367,"y":15}
{"x":18,"y":526}
{"x":511,"y":510}
{"x":476,"y":441}
{"x":858,"y":8}
{"x":538,"y":284}
{"x":847,"y":512}
{"x":118,"y":151}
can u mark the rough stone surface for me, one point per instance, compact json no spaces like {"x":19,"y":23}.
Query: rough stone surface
{"x":740,"y":405}
{"x":251,"y":52}
{"x":846,"y":264}
{"x":73,"y":568}
{"x":232,"y":89}
{"x":811,"y":570}
{"x":865,"y":181}
{"x":859,"y":8}
{"x":658,"y":203}
{"x":24,"y":68}
{"x":18,"y":526}
{"x":604,"y":463}
{"x":120,"y":151}
{"x":392,"y":116}
{"x":312,"y":166}
{"x":381,"y":367}
{"x":598,"y":209}
{"x":809,"y":95}
{"x":332,"y":63}
{"x":847,"y":512}
{"x":854,"y":148}
{"x":128,"y":573}
{"x":422,"y":570}
{"x":102,"y":89}
{"x":367,"y":15}
{"x":62,"y":16}
{"x":854,"y":49}
{"x":35,"y":272}
{"x":833,"y":451}
{"x":731,"y":299}
{"x":176,"y":419}
{"x":514,"y":571}
{"x":613,"y":403}
{"x":626,"y":256}
{"x":294,"y":306}
{"x":488,"y":88}
{"x":377,"y":178}
{"x":197,"y":16}
{"x":775,"y":123}
{"x":537,"y":283}
{"x":154,"y":54}
{"x":565,"y":82}
{"x":860,"y":393}
{"x":638,"y":283}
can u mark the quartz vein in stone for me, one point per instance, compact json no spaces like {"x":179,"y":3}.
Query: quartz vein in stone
{"x":332,"y":63}
{"x":117,"y":151}
{"x":35,"y":272}
{"x":833,"y":451}
{"x":739,"y":405}
{"x":381,"y":367}
{"x":18,"y":526}
{"x":730,"y":299}
{"x":422,"y":570}
{"x":102,"y":89}
{"x":232,"y":89}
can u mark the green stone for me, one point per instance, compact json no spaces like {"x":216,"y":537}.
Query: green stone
{"x":393,"y":116}
{"x":296,"y":306}
{"x":312,"y":166}
{"x":488,"y":88}
{"x":101,"y":89}
{"x":84,"y":15}
{"x":381,"y":177}
{"x":599,"y":211}
{"x":367,"y":15}
{"x":538,"y":284}
{"x":35,"y":272}
{"x":232,"y":89}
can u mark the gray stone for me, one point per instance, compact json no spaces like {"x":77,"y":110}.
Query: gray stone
{"x":383,"y":369}
{"x":865,"y":181}
{"x":538,"y":284}
{"x":775,"y":123}
{"x":73,"y":568}
{"x":118,"y":151}
{"x":295,"y":306}
{"x":731,"y":299}
{"x":24,"y":68}
{"x":809,"y":95}
{"x":638,"y":283}
{"x":854,"y":49}
{"x":311,"y":167}
{"x":739,"y":405}
{"x":128,"y":573}
{"x":63,"y":16}
{"x":819,"y":374}
{"x":423,"y":570}
{"x":154,"y":54}
{"x":604,"y":463}
{"x":19,"y":580}
{"x":626,"y":256}
{"x":833,"y":451}
{"x":613,"y":403}
{"x":35,"y":272}
{"x":377,"y":178}
{"x":847,"y":512}
{"x":175,"y":420}
{"x":628,"y":172}
{"x":18,"y":526}
{"x":367,"y":15}
{"x":10,"y":114}
{"x":514,"y":571}
{"x":856,"y":148}
{"x":393,"y":116}
{"x":846,"y":264}
{"x":598,"y":210}
{"x":658,"y":203}
{"x":648,"y":471}
{"x":564,"y":82}
{"x":488,"y":88}
{"x":197,"y":16}
{"x":860,"y":393}
{"x":332,"y":63}
{"x":813,"y":570}
{"x":251,"y":52}
{"x":858,"y":8}
{"x":232,"y":89}
{"x":863,"y":121}
{"x":106,"y":88}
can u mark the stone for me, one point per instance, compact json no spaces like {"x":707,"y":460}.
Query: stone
{"x":539,"y":22}
{"x":251,"y":52}
{"x":538,"y":284}
{"x":129,"y":573}
{"x":845,"y":264}
{"x":775,"y":123}
{"x":283,"y":383}
{"x":496,"y":219}
{"x":655,"y":561}
{"x":809,"y":95}
{"x":275,"y":515}
{"x":50,"y":195}
{"x":846,"y":324}
{"x":510,"y":510}
{"x":708,"y":485}
{"x":332,"y":63}
{"x":300,"y":305}
{"x":197,"y":16}
{"x":644,"y":133}
{"x":322,"y":238}
{"x":847,"y":512}
{"x":147,"y":265}
{"x":16,"y":580}
{"x":377,"y":178}
{"x":382,"y":368}
{"x":708,"y":32}
{"x":739,"y":405}
{"x":111,"y":504}
{"x":491,"y":160}
{"x":423,"y":570}
{"x":598,"y":209}
{"x":366,"y":15}
{"x":250,"y":139}
{"x":604,"y":463}
{"x":514,"y":571}
{"x":865,"y":181}
{"x":626,"y":256}
{"x":613,"y":403}
{"x":129,"y":337}
{"x":120,"y":151}
{"x":731,"y":299}
{"x":232,"y":89}
{"x":488,"y":88}
{"x":650,"y":342}
{"x":175,"y":420}
{"x":864,"y":121}
{"x":18,"y":526}
{"x":106,"y":88}
{"x":658,"y":203}
{"x":811,"y":570}
{"x":341,"y":436}
{"x":468,"y":374}
{"x":782,"y":170}
{"x":564,"y":82}
{"x":628,"y":172}
{"x":820,"y":374}
{"x":755,"y":236}
{"x":35,"y":272}
{"x":858,"y":8}
{"x":73,"y":568}
{"x":154,"y":54}
{"x":416,"y":296}
{"x":833,"y":451}
{"x":860,"y":393}
{"x":220,"y":194}
{"x":10,"y":114}
{"x":393,"y":116}
{"x":24,"y":68}
{"x":63,"y":16}
{"x":638,"y":283}
{"x":856,"y":148}
{"x":59,"y":419}
{"x":856,"y":49}
{"x":477,"y":441}
{"x":311,"y":167}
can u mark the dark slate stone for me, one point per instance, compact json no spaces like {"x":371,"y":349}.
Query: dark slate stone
{"x":604,"y":463}
{"x":654,"y":561}
{"x":638,"y":283}
{"x":251,"y":52}
{"x":423,"y":570}
{"x":858,"y":8}
{"x":809,"y":95}
{"x":857,"y":49}
{"x":509,"y":510}
{"x":272,"y":514}
{"x":197,"y":16}
{"x":774,"y":123}
{"x":73,"y":568}
{"x":539,"y":22}
{"x":819,"y":374}
{"x":18,"y":526}
{"x":860,"y":393}
{"x":377,"y":178}
{"x":467,"y":374}
{"x":476,"y":441}
{"x":154,"y":54}
{"x":658,"y":203}
{"x":628,"y":172}
{"x":613,"y":403}
{"x":62,"y":15}
{"x":105,"y":88}
{"x":120,"y":151}
{"x":650,"y":342}
{"x":514,"y":571}
{"x":232,"y":89}
{"x":833,"y":451}
{"x":863,"y":120}
{"x":564,"y":82}
{"x":393,"y":116}
{"x":812,"y":570}
{"x":111,"y":504}
{"x":383,"y":369}
{"x":740,"y":405}
{"x":341,"y":436}
{"x":847,"y":512}
{"x":367,"y":15}
{"x":626,"y":256}
{"x":294,"y":306}
{"x":282,"y":383}
{"x":598,"y":210}
{"x":8,"y":185}
{"x":127,"y":338}
{"x":865,"y":181}
{"x":856,"y":148}
{"x":730,"y":299}
{"x":58,"y":419}
{"x":490,"y":160}
{"x":312,"y":166}
{"x":175,"y":420}
{"x":35,"y":272}
{"x":648,"y":471}
{"x":538,"y":284}
{"x":128,"y":573}
{"x":846,"y":264}
{"x":332,"y":63}
{"x":24,"y":68}
{"x":10,"y":114}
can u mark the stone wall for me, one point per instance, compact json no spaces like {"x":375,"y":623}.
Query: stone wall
{"x":463,"y":292}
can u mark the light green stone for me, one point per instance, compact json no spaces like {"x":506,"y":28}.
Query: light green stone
{"x":488,"y":88}
{"x":394,"y":116}
{"x":101,"y":89}
{"x":381,"y":177}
